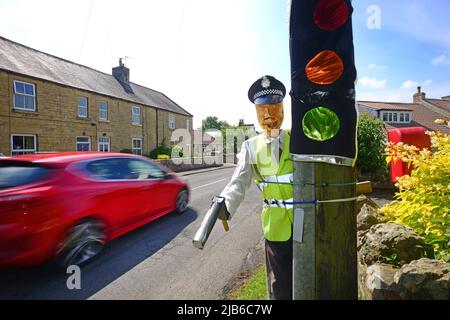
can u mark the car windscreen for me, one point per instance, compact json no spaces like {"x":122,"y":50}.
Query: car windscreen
{"x":15,"y":175}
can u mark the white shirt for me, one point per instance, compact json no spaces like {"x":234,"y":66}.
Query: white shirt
{"x":246,"y":171}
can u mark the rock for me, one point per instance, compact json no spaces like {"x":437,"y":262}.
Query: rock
{"x":424,"y":279}
{"x":375,"y":282}
{"x":362,"y":200}
{"x":369,"y":216}
{"x":392,"y":243}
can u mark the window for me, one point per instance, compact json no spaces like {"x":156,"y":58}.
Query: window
{"x":171,"y":121}
{"x":396,"y":117}
{"x":24,"y":96}
{"x":109,"y":169}
{"x":14,"y":175}
{"x":82,"y":107}
{"x":142,"y":170}
{"x":104,"y":144}
{"x":124,"y":169}
{"x":83,"y":143}
{"x":103,"y":110}
{"x":23,"y":144}
{"x":407,"y":118}
{"x":187,"y":124}
{"x":137,"y":146}
{"x":136,"y":115}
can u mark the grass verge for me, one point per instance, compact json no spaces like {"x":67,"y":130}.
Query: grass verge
{"x":253,"y":289}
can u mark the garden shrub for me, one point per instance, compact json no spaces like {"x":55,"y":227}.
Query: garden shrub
{"x":372,"y":140}
{"x":161,"y":149}
{"x":423,"y":199}
{"x":162,"y":157}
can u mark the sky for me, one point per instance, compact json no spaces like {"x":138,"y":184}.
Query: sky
{"x":205,"y":54}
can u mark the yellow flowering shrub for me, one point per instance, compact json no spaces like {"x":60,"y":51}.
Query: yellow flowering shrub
{"x":162,"y":157}
{"x":423,"y":199}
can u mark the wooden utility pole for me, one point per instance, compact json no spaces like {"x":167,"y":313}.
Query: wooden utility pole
{"x":323,"y":145}
{"x":325,"y":262}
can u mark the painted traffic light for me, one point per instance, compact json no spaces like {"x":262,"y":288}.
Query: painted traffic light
{"x":323,"y":74}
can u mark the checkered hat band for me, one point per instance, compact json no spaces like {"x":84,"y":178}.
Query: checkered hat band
{"x":268,"y":92}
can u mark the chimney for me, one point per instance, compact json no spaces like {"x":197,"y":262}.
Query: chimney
{"x":122,"y":74}
{"x":419,"y":96}
{"x":447,"y":98}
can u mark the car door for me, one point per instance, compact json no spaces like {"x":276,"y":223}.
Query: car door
{"x":155,"y":192}
{"x":117,"y":192}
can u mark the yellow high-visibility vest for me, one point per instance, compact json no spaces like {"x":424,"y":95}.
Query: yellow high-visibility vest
{"x":277,"y":217}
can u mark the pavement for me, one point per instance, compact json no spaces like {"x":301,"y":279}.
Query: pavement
{"x":197,"y":171}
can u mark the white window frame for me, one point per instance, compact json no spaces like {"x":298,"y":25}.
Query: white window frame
{"x":408,"y":117}
{"x":77,"y":143}
{"x":133,"y":149}
{"x":391,"y":115}
{"x":103,"y":143}
{"x":100,"y":111}
{"x":172,"y":121}
{"x":26,"y":95}
{"x":25,"y":151}
{"x":134,"y":114}
{"x":83,"y":107}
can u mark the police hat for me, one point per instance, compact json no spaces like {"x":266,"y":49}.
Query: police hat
{"x":267,"y":90}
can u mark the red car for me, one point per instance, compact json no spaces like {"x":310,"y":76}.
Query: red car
{"x":68,"y":205}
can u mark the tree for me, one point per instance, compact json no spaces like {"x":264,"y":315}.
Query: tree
{"x":213,"y":123}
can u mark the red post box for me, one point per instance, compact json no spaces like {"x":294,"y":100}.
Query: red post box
{"x":415,"y":136}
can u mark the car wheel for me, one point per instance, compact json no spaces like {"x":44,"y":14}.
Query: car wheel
{"x":182,"y":201}
{"x":84,"y":242}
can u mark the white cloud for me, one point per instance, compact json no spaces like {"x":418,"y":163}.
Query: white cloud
{"x":441,"y":60}
{"x":409,"y":84}
{"x":372,"y":83}
{"x":376,"y":66}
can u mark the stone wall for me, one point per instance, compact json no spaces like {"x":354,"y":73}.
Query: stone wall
{"x":394,"y":262}
{"x":185,"y":164}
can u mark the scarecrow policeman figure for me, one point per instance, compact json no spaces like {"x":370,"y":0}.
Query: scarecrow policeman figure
{"x":266,"y":160}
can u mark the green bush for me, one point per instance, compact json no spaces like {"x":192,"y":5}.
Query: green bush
{"x":371,"y":145}
{"x":423,"y":199}
{"x":163,"y":157}
{"x":177,"y":151}
{"x":162,"y":149}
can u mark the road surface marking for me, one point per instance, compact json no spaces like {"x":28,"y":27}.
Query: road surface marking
{"x":205,"y":185}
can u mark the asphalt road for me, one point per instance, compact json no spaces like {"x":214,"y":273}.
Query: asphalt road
{"x":158,"y":260}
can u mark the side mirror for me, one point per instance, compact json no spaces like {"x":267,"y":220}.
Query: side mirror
{"x":169,"y":175}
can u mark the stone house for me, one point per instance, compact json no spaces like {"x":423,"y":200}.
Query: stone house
{"x":49,"y":104}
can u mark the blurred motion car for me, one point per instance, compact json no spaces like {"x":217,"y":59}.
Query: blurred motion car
{"x":66,"y":206}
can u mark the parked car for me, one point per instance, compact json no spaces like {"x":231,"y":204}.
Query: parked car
{"x":67,"y":206}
